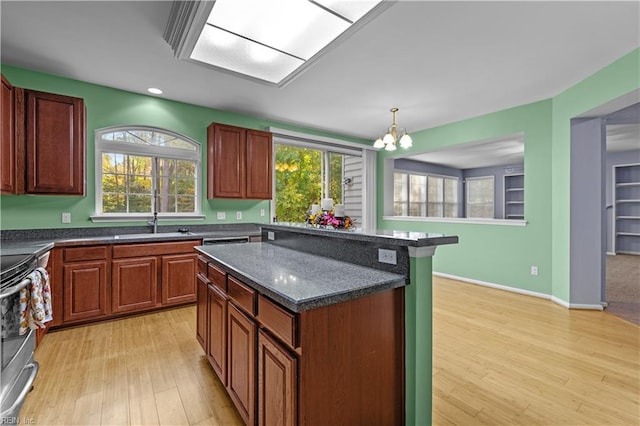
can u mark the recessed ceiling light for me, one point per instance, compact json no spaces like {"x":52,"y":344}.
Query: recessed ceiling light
{"x":154,"y":91}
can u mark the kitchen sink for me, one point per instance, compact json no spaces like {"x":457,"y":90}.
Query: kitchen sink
{"x":152,"y":236}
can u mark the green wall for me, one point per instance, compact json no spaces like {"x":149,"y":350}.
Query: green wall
{"x":503,"y":254}
{"x":495,"y":253}
{"x":110,"y":107}
{"x":617,"y":79}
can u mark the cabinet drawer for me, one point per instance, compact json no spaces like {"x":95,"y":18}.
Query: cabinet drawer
{"x":218,"y":277}
{"x":85,"y":253}
{"x":278,"y":320}
{"x":242,"y":295}
{"x":202,"y":265}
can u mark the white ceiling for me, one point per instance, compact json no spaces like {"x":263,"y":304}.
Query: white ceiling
{"x":437,"y":61}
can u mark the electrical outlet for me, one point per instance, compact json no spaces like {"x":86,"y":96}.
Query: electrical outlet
{"x":221,"y":216}
{"x":534,"y":270}
{"x":271,"y":236}
{"x":239,"y":215}
{"x":387,"y":256}
{"x":261,"y":212}
{"x":66,"y":217}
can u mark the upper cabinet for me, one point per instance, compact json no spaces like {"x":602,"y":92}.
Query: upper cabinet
{"x":239,"y":162}
{"x":8,"y":146}
{"x":55,"y":144}
{"x":43,"y":142}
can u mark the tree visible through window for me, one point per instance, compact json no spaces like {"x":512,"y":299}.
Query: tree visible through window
{"x":422,"y":195}
{"x":480,"y":192}
{"x":304,"y":176}
{"x":145,"y":169}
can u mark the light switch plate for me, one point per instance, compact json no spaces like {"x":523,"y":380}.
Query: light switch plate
{"x":66,"y":217}
{"x":221,"y":216}
{"x":239,"y":215}
{"x":261,"y":212}
{"x":271,"y":236}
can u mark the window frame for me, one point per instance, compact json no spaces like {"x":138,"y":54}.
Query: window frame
{"x":103,"y":146}
{"x":493,"y":197}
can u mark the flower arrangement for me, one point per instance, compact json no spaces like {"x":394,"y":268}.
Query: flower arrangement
{"x":326,"y":218}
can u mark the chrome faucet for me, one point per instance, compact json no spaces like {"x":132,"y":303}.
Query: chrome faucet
{"x":154,"y":222}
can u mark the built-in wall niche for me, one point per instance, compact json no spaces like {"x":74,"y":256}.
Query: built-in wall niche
{"x":489,"y":176}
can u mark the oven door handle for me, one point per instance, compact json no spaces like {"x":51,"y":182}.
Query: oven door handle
{"x":16,"y":288}
{"x":34,"y":366}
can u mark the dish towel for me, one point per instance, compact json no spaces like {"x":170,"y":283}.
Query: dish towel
{"x":35,"y":302}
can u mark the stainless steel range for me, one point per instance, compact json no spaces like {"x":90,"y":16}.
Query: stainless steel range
{"x":19,"y":369}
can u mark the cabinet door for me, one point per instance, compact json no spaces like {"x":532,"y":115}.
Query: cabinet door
{"x":226,"y":161}
{"x":202,"y":298}
{"x":134,"y":284}
{"x":277,"y":383}
{"x":55,"y":144}
{"x":179,"y":278}
{"x":217,"y":318}
{"x":259,"y":161}
{"x":85,"y":290}
{"x":7,"y":141}
{"x":241,"y":359}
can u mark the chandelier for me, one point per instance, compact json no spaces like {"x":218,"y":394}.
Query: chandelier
{"x":390,"y":140}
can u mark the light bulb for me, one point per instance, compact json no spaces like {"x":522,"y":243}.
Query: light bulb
{"x":405,"y":141}
{"x":390,"y":147}
{"x":388,"y":139}
{"x":378,"y":143}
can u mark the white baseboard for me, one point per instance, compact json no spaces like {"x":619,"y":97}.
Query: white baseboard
{"x":596,"y":307}
{"x":610,"y":253}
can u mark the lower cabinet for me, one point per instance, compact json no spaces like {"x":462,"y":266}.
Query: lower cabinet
{"x":217,"y":337}
{"x":336,"y":364}
{"x":241,"y":355}
{"x":103,"y":281}
{"x":134,"y":284}
{"x":85,"y":290}
{"x":201,"y":311}
{"x":178,"y":279}
{"x":277,"y":383}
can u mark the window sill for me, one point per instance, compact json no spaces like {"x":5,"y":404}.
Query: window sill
{"x":501,"y":222}
{"x":142,"y":218}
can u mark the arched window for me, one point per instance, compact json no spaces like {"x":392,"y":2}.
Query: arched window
{"x":141,"y":170}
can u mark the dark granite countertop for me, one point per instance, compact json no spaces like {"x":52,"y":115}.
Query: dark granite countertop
{"x":399,"y":238}
{"x":64,"y":237}
{"x":36,"y":248}
{"x":297,"y":280}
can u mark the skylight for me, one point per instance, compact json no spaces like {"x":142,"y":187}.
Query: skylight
{"x":270,"y":40}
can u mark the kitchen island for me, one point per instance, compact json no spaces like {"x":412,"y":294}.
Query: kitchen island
{"x":320,"y":326}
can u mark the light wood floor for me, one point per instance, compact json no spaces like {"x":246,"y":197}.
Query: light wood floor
{"x":499,"y":358}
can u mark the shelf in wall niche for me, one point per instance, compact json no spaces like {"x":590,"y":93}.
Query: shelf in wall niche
{"x":628,"y":234}
{"x":515,"y":216}
{"x":622,"y":184}
{"x":515,"y":202}
{"x":625,"y":208}
{"x":627,"y":201}
{"x":515,"y":189}
{"x":628,"y":217}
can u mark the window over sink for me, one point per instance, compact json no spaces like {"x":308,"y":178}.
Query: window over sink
{"x":141,"y":170}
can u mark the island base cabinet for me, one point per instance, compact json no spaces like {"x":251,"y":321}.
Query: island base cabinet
{"x":217,"y":337}
{"x":241,"y":361}
{"x":201,"y":311}
{"x":277,"y":383}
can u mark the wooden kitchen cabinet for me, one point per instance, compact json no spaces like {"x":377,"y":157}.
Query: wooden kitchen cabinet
{"x":277,"y":383}
{"x":134,"y":284}
{"x":217,"y":327}
{"x":55,"y":143}
{"x":85,"y":290}
{"x":7,"y":140}
{"x":310,"y":367}
{"x":241,"y":362}
{"x":178,"y":279}
{"x":239,"y":162}
{"x":201,"y":311}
